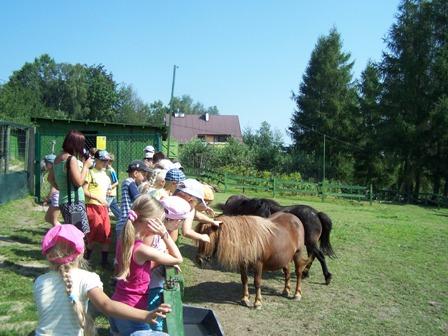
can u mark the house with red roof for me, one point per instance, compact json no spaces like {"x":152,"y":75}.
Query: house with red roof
{"x":213,"y":129}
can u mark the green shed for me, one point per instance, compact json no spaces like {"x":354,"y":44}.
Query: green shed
{"x":125,"y":141}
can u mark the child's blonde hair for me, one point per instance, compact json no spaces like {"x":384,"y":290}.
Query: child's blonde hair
{"x":60,"y":250}
{"x":146,"y":207}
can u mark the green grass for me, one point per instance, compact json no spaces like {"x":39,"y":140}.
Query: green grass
{"x":390,"y":277}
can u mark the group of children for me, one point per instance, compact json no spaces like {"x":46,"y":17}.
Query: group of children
{"x":155,"y":203}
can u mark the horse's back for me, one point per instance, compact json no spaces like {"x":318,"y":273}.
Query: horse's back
{"x":292,"y":224}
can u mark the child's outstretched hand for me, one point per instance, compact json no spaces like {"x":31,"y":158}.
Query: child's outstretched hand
{"x":160,"y":311}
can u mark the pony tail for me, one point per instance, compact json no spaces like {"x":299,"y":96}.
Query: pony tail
{"x":84,"y":319}
{"x":127,"y":245}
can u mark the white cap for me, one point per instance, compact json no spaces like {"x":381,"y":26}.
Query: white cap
{"x":165,"y":164}
{"x":149,"y":149}
{"x":149,"y":155}
{"x":192,"y":187}
{"x":177,"y":165}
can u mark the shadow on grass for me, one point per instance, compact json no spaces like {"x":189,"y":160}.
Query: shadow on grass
{"x":27,"y":271}
{"x":39,"y":232}
{"x":22,"y":239}
{"x":31,"y":254}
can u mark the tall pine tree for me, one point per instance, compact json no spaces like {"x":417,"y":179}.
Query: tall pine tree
{"x":326,"y":104}
{"x":413,"y":86}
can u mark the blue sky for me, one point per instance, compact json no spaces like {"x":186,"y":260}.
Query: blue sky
{"x":245,"y":57}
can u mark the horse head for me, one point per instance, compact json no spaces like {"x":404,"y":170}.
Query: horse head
{"x":232,"y":205}
{"x":207,"y":250}
{"x":255,"y":207}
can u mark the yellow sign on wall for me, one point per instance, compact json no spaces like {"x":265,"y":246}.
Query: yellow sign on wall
{"x":101,"y":142}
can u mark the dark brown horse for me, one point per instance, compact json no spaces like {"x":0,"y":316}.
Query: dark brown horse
{"x":262,"y":244}
{"x":317,"y":225}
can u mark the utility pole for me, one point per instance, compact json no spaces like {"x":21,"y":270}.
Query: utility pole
{"x":323,"y":168}
{"x":171,"y":112}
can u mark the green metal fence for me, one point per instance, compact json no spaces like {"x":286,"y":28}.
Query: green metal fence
{"x":126,"y":142}
{"x":15,"y":167}
{"x":287,"y":187}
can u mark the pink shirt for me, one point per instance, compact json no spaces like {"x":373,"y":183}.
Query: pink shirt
{"x":134,"y":290}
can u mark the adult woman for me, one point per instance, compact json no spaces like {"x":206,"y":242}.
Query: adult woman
{"x":68,"y":176}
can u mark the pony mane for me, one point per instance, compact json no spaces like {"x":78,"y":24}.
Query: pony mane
{"x":242,"y":240}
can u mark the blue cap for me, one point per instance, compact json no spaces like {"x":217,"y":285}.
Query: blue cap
{"x":175,"y":175}
{"x":49,"y":158}
{"x":102,"y":155}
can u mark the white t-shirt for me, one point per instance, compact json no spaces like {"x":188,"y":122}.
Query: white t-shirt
{"x":56,"y":314}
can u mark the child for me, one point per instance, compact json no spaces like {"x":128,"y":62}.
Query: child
{"x":135,"y":259}
{"x":112,"y":192}
{"x":158,"y":191}
{"x":137,"y":171}
{"x":52,"y":199}
{"x":192,"y":191}
{"x":62,"y":294}
{"x":148,"y":155}
{"x":95,"y":189}
{"x":176,"y":210}
{"x":172,"y":179}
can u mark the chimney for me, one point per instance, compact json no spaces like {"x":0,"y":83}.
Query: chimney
{"x":206,"y":116}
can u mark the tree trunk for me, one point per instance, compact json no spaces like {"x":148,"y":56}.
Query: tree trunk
{"x":417,"y":183}
{"x":436,"y":184}
{"x":445,"y":190}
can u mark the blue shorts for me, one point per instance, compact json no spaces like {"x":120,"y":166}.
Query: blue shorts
{"x":131,"y":328}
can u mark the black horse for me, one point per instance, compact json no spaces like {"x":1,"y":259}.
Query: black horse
{"x":317,"y":225}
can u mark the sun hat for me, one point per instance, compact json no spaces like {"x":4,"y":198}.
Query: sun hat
{"x":175,"y":175}
{"x":209,"y":195}
{"x":68,"y":233}
{"x":102,"y":155}
{"x":175,"y":207}
{"x":49,"y":158}
{"x":138,"y":165}
{"x":165,"y":164}
{"x":192,"y":187}
{"x":149,"y":155}
{"x":149,"y":148}
{"x":177,"y":165}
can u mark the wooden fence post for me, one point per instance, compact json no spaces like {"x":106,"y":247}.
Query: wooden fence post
{"x":225,"y":182}
{"x":273,"y":187}
{"x":370,"y":194}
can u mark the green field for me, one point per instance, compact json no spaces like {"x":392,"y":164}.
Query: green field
{"x":390,"y":277}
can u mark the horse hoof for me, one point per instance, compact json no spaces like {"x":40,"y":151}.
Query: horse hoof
{"x":257,"y":306}
{"x":285,"y":293}
{"x":244,"y":303}
{"x":297,"y":297}
{"x":328,"y":279}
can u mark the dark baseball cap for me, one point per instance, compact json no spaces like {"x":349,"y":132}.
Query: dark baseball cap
{"x":138,"y":165}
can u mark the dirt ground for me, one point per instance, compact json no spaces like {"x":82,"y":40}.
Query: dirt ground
{"x":220,"y":291}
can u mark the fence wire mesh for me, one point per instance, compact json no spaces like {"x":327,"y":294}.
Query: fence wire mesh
{"x":124,"y":147}
{"x":14,"y":164}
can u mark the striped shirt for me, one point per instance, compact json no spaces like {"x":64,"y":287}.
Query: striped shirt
{"x":129,"y":193}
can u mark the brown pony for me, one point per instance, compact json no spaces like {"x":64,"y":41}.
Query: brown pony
{"x":262,"y":244}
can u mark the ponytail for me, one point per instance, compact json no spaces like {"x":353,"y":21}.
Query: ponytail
{"x":144,"y":206}
{"x":127,"y":247}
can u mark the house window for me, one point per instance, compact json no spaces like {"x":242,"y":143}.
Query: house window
{"x":201,"y":137}
{"x":221,"y":138}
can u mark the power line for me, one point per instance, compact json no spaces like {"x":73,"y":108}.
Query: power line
{"x":329,"y":137}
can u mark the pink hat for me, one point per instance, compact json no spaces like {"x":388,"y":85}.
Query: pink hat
{"x":175,"y":207}
{"x":68,"y":233}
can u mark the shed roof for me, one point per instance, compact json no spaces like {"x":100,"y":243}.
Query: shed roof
{"x":189,"y":126}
